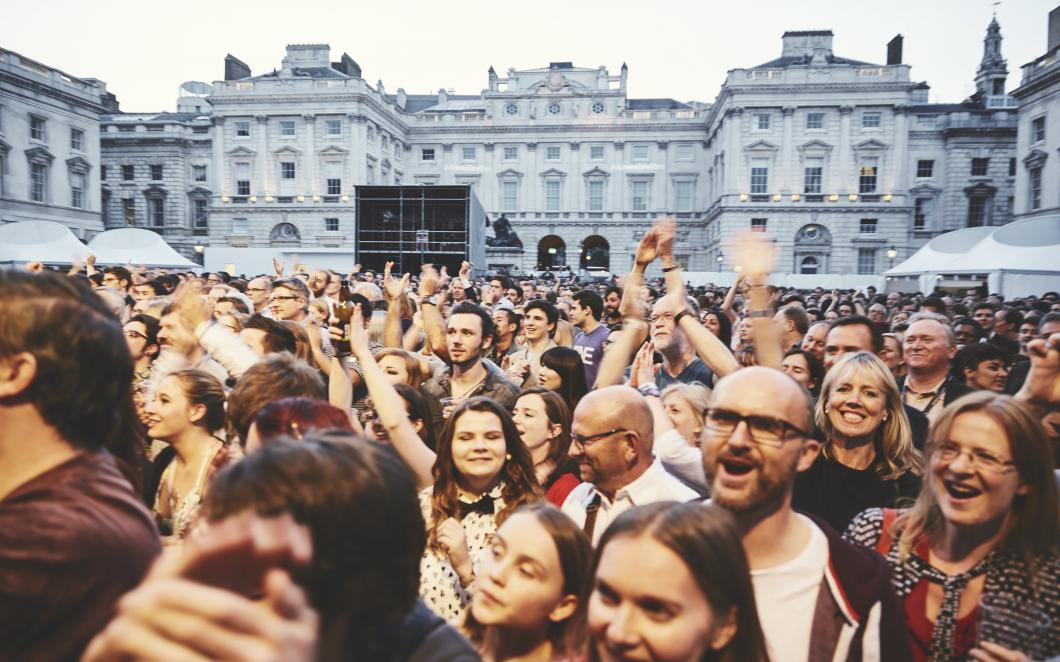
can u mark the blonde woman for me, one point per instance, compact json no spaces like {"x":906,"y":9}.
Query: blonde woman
{"x":685,"y":405}
{"x":984,"y":530}
{"x":564,"y":335}
{"x":867,"y":456}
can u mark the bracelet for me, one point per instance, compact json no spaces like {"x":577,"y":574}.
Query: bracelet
{"x":649,"y":390}
{"x":679,"y":316}
{"x":758,"y":313}
{"x":667,"y":270}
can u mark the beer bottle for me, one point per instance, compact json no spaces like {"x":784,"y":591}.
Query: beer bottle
{"x":344,"y":311}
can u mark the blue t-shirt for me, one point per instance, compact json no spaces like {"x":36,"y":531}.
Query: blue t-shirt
{"x":591,"y":347}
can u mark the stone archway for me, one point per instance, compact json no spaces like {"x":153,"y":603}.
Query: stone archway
{"x":551,"y":252}
{"x":813,"y":249}
{"x":285,"y":234}
{"x":596,"y":252}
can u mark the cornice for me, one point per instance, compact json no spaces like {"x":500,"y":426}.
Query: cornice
{"x":66,"y":97}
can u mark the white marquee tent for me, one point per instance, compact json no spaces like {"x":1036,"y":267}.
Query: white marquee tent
{"x":140,"y":246}
{"x":45,"y":241}
{"x":1015,"y":260}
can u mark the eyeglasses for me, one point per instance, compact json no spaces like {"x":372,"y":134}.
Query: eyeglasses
{"x":948,"y":451}
{"x":764,"y":430}
{"x":585,"y":441}
{"x":135,"y":334}
{"x":282,"y":298}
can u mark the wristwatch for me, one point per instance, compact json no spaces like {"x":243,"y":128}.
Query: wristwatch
{"x":426,"y":301}
{"x":759,"y":313}
{"x":649,"y":390}
{"x":678,"y":316}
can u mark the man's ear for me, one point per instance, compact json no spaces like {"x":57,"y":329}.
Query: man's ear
{"x":17,"y":372}
{"x":810,"y":449}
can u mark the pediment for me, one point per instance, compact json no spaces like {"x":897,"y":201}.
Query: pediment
{"x":509,"y":173}
{"x":596,"y":172}
{"x":1035,"y":159}
{"x":552,"y":172}
{"x":815,"y":145}
{"x":78,"y":164}
{"x":333,"y":150}
{"x":155,"y":190}
{"x":200,"y":192}
{"x":980,"y":189}
{"x":761,"y":146}
{"x":39,"y":154}
{"x":925,"y":189}
{"x":242,"y":151}
{"x":286,"y":150}
{"x":870,"y":145}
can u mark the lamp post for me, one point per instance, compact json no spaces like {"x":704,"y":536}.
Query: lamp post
{"x":199,"y":257}
{"x":891,"y":254}
{"x":721,"y":259}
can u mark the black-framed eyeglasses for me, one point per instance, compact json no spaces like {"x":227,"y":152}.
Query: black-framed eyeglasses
{"x":765,"y":430}
{"x":588,"y":440}
{"x":282,"y":298}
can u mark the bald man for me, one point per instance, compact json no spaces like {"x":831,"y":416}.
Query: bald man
{"x":611,"y":440}
{"x":818,"y":596}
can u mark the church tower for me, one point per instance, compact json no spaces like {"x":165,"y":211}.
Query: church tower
{"x":992,"y":72}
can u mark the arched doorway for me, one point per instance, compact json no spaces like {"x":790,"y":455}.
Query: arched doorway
{"x":813,"y":248}
{"x":808,"y":265}
{"x":596,"y":252}
{"x":551,"y":252}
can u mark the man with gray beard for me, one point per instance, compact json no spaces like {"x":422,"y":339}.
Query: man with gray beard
{"x":680,"y":363}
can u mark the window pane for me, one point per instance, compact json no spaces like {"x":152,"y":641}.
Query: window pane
{"x":596,"y":195}
{"x":866,"y":261}
{"x":552,"y":196}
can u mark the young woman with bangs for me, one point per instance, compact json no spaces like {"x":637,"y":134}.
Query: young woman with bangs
{"x":543,"y":420}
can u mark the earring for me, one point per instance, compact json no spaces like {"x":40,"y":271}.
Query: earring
{"x":507,"y":456}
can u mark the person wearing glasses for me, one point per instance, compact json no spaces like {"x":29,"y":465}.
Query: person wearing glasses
{"x":867,"y":456}
{"x":818,"y":596}
{"x":259,"y":290}
{"x":141,"y":335}
{"x":984,"y":529}
{"x":612,"y":435}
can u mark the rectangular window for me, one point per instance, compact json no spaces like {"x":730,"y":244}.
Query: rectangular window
{"x":762,"y":121}
{"x":920,"y":214}
{"x":156,"y":216}
{"x":243,"y":129}
{"x":640,"y":195}
{"x":334,"y":186}
{"x":511,"y":153}
{"x":870,"y":120}
{"x":925,"y":168}
{"x":371,"y":134}
{"x":371,"y":174}
{"x":102,"y":173}
{"x":552,"y":153}
{"x":683,"y":194}
{"x":814,"y":120}
{"x":427,"y":154}
{"x":198,"y":173}
{"x":384,"y":141}
{"x":287,"y":170}
{"x":685,"y":153}
{"x":77,"y":139}
{"x":331,"y":225}
{"x":1012,"y":167}
{"x":510,"y":193}
{"x":201,"y":214}
{"x":38,"y":128}
{"x":38,"y":173}
{"x":759,"y":176}
{"x":1037,"y":129}
{"x":468,"y":153}
{"x":77,"y":190}
{"x":334,"y":127}
{"x":640,"y":152}
{"x":552,"y":196}
{"x":868,"y":226}
{"x":596,"y":195}
{"x":980,"y":167}
{"x":242,"y":179}
{"x":128,"y":211}
{"x":128,"y":173}
{"x":596,"y":152}
{"x":287,"y":128}
{"x":867,"y":175}
{"x":976,"y":212}
{"x":156,"y":172}
{"x":866,"y":261}
{"x":812,"y":175}
{"x":1036,"y":188}
{"x":759,"y":224}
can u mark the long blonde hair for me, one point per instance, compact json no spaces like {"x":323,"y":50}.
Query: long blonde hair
{"x":895,"y":453}
{"x":1033,"y":527}
{"x":564,"y":334}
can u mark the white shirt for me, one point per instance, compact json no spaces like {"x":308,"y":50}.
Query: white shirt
{"x":680,"y":458}
{"x":651,"y":486}
{"x":786,"y":596}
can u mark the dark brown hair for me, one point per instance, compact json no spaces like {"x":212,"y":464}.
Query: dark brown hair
{"x":558,"y":414}
{"x":274,"y":377}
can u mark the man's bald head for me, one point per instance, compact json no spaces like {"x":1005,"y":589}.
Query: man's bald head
{"x":619,"y":407}
{"x":765,"y":391}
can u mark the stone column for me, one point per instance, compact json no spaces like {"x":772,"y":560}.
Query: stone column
{"x":530,"y":194}
{"x":787,"y":151}
{"x":488,"y":185}
{"x":733,"y":158}
{"x":311,"y":152}
{"x":445,"y":157}
{"x":573,"y":200}
{"x":844,"y":175}
{"x":617,"y":181}
{"x":264,"y":160}
{"x":663,"y":204}
{"x":356,"y":151}
{"x":898,"y":168}
{"x":220,"y":186}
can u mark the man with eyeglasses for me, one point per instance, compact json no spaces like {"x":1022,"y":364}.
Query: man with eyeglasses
{"x":259,"y":290}
{"x":612,"y":435}
{"x":141,"y":335}
{"x":818,"y":596}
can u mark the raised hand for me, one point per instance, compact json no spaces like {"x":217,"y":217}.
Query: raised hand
{"x":428,"y":280}
{"x":667,"y":230}
{"x":465,"y":271}
{"x":648,"y":248}
{"x":755,"y":254}
{"x":34,"y":267}
{"x":278,"y":267}
{"x":191,"y":307}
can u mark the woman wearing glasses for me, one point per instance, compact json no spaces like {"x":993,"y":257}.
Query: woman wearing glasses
{"x":867,"y":456}
{"x":981,"y":542}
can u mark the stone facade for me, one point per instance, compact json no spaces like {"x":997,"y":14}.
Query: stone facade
{"x":1038,"y":149}
{"x":49,"y":145}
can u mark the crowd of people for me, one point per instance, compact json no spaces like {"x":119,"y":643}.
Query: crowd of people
{"x":373,"y":466}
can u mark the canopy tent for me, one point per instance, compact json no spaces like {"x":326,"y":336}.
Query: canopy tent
{"x":1017,"y":259}
{"x":44,"y":241}
{"x":141,"y":247}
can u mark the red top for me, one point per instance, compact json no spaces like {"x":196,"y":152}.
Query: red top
{"x":558,"y":491}
{"x":920,"y":628}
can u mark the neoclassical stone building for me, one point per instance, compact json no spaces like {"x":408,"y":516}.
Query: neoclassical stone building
{"x":843,"y":163}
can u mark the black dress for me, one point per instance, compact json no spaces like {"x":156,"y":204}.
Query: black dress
{"x":837,"y":493}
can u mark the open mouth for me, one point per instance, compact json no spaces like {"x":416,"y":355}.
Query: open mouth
{"x":852,"y":416}
{"x":961,"y":491}
{"x":736,"y":466}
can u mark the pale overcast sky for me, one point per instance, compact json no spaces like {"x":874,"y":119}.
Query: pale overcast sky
{"x":674,"y":48}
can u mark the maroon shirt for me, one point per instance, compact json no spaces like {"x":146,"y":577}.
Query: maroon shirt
{"x":73,"y":540}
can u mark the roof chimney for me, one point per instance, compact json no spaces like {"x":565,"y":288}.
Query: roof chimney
{"x":235,"y":68}
{"x":1054,"y":29}
{"x":894,"y":50}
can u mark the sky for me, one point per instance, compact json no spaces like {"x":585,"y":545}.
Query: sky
{"x":674,"y":48}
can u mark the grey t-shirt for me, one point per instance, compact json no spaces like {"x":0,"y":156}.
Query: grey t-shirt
{"x":591,"y":347}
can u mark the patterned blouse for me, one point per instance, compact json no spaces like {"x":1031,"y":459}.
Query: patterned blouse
{"x":439,"y":584}
{"x":1007,"y":576}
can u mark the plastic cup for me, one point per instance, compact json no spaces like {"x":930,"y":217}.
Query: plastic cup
{"x":1017,"y":626}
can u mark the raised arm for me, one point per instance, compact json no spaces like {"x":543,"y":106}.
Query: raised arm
{"x":756,"y":255}
{"x":433,"y":324}
{"x":730,"y":297}
{"x":394,"y":289}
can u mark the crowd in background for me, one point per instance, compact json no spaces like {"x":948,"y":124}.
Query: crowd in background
{"x":382,"y":466}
